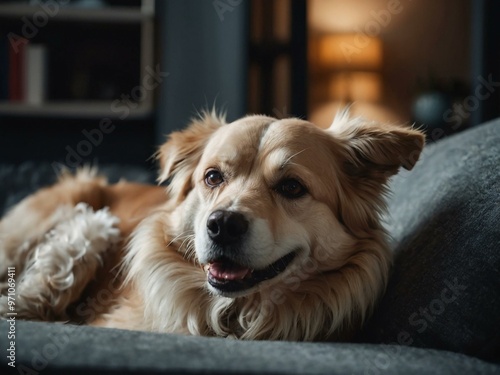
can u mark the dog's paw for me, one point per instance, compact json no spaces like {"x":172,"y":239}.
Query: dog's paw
{"x":8,"y":248}
{"x":63,"y":262}
{"x":13,"y":253}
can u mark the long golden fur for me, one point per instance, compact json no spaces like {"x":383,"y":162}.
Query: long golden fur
{"x":268,"y":229}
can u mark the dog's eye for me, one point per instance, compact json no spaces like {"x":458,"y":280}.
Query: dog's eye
{"x":291,"y":188}
{"x":213,"y":178}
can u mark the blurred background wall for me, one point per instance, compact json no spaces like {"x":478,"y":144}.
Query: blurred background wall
{"x":98,"y":81}
{"x":205,"y":54}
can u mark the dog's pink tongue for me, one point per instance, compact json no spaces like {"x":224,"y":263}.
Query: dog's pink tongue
{"x":220,"y":270}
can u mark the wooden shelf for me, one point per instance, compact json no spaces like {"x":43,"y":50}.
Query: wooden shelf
{"x":114,"y":14}
{"x":74,"y":109}
{"x":139,"y":18}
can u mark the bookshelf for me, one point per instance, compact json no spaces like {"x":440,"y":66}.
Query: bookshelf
{"x":109,"y":14}
{"x":91,"y":57}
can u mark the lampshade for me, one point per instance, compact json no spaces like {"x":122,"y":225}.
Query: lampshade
{"x":354,"y":52}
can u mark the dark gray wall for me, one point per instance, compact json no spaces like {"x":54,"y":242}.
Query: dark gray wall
{"x":485,"y":37}
{"x":203,"y":47}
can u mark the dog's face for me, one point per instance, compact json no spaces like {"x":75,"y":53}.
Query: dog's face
{"x":265,"y":197}
{"x":262,"y":188}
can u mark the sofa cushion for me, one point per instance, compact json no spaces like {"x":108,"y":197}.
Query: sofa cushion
{"x":63,"y":349}
{"x":444,"y":218}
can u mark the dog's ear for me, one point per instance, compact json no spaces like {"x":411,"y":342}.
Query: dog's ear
{"x":376,"y":150}
{"x":179,"y":156}
{"x":370,"y":153}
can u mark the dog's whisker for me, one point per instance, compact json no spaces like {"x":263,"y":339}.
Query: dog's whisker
{"x":188,"y":245}
{"x":287,"y":161}
{"x":190,"y":250}
{"x":187,"y":239}
{"x":182,"y":235}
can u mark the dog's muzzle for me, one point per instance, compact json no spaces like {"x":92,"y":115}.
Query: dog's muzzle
{"x":225,"y":272}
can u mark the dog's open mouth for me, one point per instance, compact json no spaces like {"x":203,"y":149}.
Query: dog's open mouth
{"x":230,"y":277}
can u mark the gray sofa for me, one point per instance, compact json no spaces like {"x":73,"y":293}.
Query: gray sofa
{"x":440,"y":314}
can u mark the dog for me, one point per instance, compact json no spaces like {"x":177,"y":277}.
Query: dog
{"x":266,"y":229}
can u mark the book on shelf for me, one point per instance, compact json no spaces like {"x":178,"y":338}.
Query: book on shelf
{"x":23,"y":71}
{"x":16,"y":74}
{"x":35,"y":74}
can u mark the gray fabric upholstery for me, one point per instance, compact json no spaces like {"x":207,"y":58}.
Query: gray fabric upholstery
{"x":444,"y":292}
{"x":57,"y":349}
{"x":445,"y":222}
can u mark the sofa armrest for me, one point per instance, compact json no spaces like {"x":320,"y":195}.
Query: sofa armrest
{"x":445,"y":221}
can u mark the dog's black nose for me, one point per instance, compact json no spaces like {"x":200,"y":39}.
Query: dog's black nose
{"x":225,"y":227}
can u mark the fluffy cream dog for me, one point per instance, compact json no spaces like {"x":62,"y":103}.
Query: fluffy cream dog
{"x":269,"y":229}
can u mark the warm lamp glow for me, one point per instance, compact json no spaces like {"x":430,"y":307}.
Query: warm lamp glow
{"x":342,"y":16}
{"x":357,"y":86}
{"x":323,"y":114}
{"x":349,"y":87}
{"x":348,"y":52}
{"x":347,"y":67}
